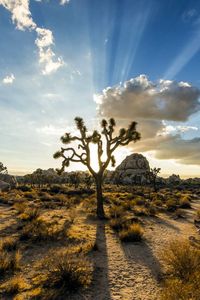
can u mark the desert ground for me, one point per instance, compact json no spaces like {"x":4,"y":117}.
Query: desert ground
{"x":54,"y":247}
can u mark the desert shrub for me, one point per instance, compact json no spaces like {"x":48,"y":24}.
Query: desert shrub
{"x":171,"y":204}
{"x":9,"y":261}
{"x":182,"y":259}
{"x":39,"y":230}
{"x":30,"y":214}
{"x":198,"y":214}
{"x":140,"y":211}
{"x":175,"y":289}
{"x":8,"y":244}
{"x":20,"y":206}
{"x":157,"y":202}
{"x":184,"y":202}
{"x":183,"y":282}
{"x":66,"y":274}
{"x":14,"y":285}
{"x":44,"y":196}
{"x":139,"y":201}
{"x":116,"y":224}
{"x":24,"y":188}
{"x":178,"y":213}
{"x":116,"y":211}
{"x":152,"y":210}
{"x":30,"y":195}
{"x":133,"y":233}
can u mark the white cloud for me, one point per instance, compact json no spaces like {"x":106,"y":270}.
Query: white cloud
{"x":46,"y":55}
{"x":21,"y":16}
{"x":9,"y":79}
{"x":63,"y":2}
{"x":151,"y":103}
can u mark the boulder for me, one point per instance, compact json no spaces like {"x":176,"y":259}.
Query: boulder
{"x":133,"y":169}
{"x":4,"y":186}
{"x":11,"y":180}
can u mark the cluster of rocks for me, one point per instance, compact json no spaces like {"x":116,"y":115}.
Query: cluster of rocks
{"x":133,"y":169}
{"x":7,"y":182}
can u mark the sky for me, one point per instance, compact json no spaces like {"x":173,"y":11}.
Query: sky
{"x":127,"y":59}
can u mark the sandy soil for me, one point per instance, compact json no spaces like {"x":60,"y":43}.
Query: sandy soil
{"x":130,"y":271}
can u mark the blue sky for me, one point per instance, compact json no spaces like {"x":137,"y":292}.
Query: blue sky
{"x":56,"y":55}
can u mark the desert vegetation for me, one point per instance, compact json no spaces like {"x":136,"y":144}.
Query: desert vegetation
{"x":52,"y":242}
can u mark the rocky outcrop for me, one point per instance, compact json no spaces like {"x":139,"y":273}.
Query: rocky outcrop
{"x":133,"y":169}
{"x":11,"y":180}
{"x":4,"y":186}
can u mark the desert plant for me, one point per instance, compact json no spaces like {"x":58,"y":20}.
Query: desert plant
{"x":183,"y":280}
{"x":66,"y":274}
{"x":184,"y":202}
{"x":198,"y":214}
{"x":124,"y":137}
{"x":9,"y":261}
{"x":14,"y":285}
{"x":8,"y":244}
{"x":133,"y":233}
{"x":182,"y":259}
{"x":171,"y":205}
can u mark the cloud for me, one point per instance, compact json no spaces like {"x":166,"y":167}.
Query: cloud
{"x":21,"y":16}
{"x":9,"y":79}
{"x":46,"y":55}
{"x":63,"y":2}
{"x":150,"y":104}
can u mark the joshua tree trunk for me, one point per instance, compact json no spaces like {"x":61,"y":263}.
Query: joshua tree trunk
{"x":100,"y":209}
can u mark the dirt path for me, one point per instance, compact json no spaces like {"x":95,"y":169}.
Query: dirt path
{"x":132,"y":271}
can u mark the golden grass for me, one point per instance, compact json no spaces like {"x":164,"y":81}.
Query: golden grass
{"x":183,"y":263}
{"x":133,"y":233}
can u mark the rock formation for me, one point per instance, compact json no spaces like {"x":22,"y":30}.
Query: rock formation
{"x":11,"y":180}
{"x":133,"y":169}
{"x":4,"y":186}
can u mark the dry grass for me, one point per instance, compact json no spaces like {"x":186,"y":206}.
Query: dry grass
{"x":183,"y":262}
{"x":8,"y":244}
{"x":133,"y":233}
{"x":65,"y":274}
{"x":14,"y":286}
{"x":9,"y":261}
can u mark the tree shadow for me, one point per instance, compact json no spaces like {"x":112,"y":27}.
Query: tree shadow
{"x":100,"y":284}
{"x":140,"y":253}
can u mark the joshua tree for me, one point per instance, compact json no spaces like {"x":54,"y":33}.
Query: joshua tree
{"x":153,"y":175}
{"x":83,"y":155}
{"x":3,"y":170}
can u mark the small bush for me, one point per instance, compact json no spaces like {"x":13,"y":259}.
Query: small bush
{"x":116,"y":223}
{"x":20,"y":206}
{"x":171,"y":205}
{"x":14,"y":286}
{"x":8,"y":244}
{"x":9,"y":261}
{"x":140,"y":211}
{"x":66,"y":274}
{"x":116,"y":211}
{"x":133,"y":233}
{"x":183,"y":282}
{"x":182,"y":259}
{"x":184,"y":203}
{"x":24,"y":188}
{"x":198,"y":214}
{"x":30,"y":214}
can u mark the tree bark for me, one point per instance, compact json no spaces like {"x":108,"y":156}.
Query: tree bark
{"x":100,"y":208}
